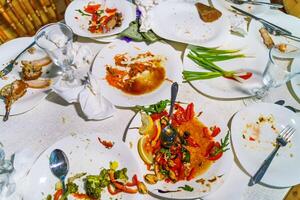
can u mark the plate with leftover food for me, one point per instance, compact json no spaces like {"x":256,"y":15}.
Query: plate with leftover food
{"x":99,"y":18}
{"x":190,"y":23}
{"x":230,"y":70}
{"x":135,"y":73}
{"x":194,"y":163}
{"x":295,"y":82}
{"x":254,"y":130}
{"x":29,"y":81}
{"x":100,"y":167}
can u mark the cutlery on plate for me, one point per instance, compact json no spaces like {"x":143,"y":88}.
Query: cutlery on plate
{"x":277,"y":32}
{"x":272,"y":5}
{"x":168,"y":134}
{"x":282,"y":139}
{"x":59,"y":165}
{"x":264,"y":22}
{"x":10,"y":66}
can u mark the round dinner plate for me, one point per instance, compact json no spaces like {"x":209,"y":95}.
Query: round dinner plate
{"x":219,"y":169}
{"x":179,"y":21}
{"x":85,"y":154}
{"x":80,"y":24}
{"x":32,"y":97}
{"x":295,"y":82}
{"x":173,"y":67}
{"x":255,"y":62}
{"x":263,"y":122}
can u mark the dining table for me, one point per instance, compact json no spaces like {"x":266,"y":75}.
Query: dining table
{"x":53,"y":119}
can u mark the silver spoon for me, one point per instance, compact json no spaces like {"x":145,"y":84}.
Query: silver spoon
{"x":59,"y":165}
{"x":168,"y":134}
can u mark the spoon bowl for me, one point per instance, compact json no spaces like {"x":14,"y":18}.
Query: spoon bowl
{"x":59,"y":165}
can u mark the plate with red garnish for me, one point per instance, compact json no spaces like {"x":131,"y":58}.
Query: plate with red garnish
{"x":99,"y":18}
{"x":197,"y":162}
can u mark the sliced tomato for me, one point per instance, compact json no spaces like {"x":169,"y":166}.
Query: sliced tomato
{"x":191,"y":142}
{"x":215,"y":131}
{"x":211,"y":151}
{"x":191,"y":175}
{"x":92,"y":8}
{"x":156,"y":116}
{"x":189,"y":112}
{"x":110,"y":10}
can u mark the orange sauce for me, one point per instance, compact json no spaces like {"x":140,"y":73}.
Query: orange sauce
{"x":198,"y":161}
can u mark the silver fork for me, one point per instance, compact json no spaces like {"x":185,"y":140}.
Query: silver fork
{"x":281,"y":141}
{"x":272,"y":5}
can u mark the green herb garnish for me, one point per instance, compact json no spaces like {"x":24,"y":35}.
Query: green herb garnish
{"x":224,"y":144}
{"x":187,"y":188}
{"x":83,"y":13}
{"x":154,"y":108}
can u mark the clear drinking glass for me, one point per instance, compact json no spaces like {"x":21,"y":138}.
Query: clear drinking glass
{"x":57,"y":40}
{"x":6,"y":168}
{"x":276,"y":72}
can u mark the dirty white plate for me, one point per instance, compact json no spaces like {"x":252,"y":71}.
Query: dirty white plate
{"x":173,"y":67}
{"x":80,"y":24}
{"x":220,"y":167}
{"x":32,"y":97}
{"x":284,"y":169}
{"x":85,"y":154}
{"x":179,"y":21}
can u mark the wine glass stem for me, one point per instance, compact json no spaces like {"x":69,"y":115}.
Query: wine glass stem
{"x":68,"y":74}
{"x":262,"y":92}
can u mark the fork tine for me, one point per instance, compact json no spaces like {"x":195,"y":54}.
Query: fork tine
{"x":284,"y":130}
{"x":288,"y":136}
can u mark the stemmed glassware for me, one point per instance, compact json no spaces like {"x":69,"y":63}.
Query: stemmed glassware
{"x":276,"y":72}
{"x":56,"y":40}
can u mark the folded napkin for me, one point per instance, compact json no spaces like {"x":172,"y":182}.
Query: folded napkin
{"x":88,"y":95}
{"x":144,"y":7}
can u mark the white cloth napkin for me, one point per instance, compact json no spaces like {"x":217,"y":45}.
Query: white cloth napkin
{"x":88,"y":95}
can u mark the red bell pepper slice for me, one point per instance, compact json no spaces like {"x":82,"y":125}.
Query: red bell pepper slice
{"x":134,"y":181}
{"x":92,"y":8}
{"x":189,"y":112}
{"x":123,"y":188}
{"x":156,"y":116}
{"x":191,"y":175}
{"x":58,"y":194}
{"x":80,"y":196}
{"x":110,"y":10}
{"x":191,"y":142}
{"x":112,"y":190}
{"x":215,"y":131}
{"x":246,"y":76}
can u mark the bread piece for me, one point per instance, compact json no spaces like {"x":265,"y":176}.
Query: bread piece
{"x":207,"y":13}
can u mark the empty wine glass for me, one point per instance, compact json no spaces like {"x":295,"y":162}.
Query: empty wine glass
{"x":276,"y":72}
{"x":56,"y":39}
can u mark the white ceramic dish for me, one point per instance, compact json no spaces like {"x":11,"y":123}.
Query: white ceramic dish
{"x":32,"y":97}
{"x":85,"y":154}
{"x":221,"y":167}
{"x":284,"y":170}
{"x":79,"y":24}
{"x":173,"y":68}
{"x":179,"y":21}
{"x":256,"y":62}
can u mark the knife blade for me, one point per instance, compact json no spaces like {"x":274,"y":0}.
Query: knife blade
{"x":264,"y":22}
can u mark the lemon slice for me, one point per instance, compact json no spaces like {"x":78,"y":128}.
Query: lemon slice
{"x":147,"y":124}
{"x":147,"y":157}
{"x":157,"y":131}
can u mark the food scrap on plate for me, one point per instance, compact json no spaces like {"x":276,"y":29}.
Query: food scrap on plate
{"x":102,"y":19}
{"x":207,"y":13}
